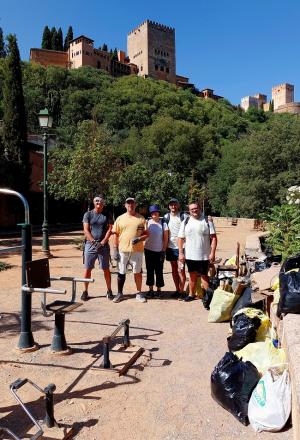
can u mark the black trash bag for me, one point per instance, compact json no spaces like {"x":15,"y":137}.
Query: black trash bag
{"x":289,"y":286}
{"x":244,"y":331}
{"x":245,"y":300}
{"x":206,"y":300}
{"x":214,"y":283}
{"x":259,"y":266}
{"x":232,"y":383}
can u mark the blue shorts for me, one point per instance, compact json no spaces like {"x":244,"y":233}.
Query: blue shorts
{"x":91,"y":254}
{"x":172,"y":254}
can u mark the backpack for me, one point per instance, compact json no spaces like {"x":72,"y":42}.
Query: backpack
{"x":166,"y":217}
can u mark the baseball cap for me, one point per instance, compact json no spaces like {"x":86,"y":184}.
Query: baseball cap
{"x":130,"y":199}
{"x":173,"y":200}
{"x":154,"y":208}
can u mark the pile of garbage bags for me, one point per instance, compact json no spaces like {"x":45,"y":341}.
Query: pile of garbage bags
{"x":252,"y":381}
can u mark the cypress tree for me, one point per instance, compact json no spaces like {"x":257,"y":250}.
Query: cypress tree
{"x":59,"y":40}
{"x":271,"y":106}
{"x":2,"y":45}
{"x":14,"y":117}
{"x":69,"y":37}
{"x":104,"y":47}
{"x":53,"y":38}
{"x":115,"y":55}
{"x":46,"y":39}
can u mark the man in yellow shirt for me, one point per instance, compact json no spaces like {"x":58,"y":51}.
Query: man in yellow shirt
{"x":129,"y":233}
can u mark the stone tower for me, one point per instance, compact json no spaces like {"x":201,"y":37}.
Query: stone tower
{"x":151,"y":46}
{"x":282,"y":94}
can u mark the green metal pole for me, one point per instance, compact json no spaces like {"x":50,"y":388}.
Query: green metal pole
{"x":45,"y":230}
{"x":26,"y":338}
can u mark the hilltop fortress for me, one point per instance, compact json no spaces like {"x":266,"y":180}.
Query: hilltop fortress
{"x":151,"y":52}
{"x":282,"y":100}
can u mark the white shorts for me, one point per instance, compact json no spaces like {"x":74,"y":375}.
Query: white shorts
{"x":133,"y":258}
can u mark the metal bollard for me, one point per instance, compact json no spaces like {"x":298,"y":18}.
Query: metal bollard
{"x":126,"y":341}
{"x":49,"y":419}
{"x":106,"y":362}
{"x":59,"y":342}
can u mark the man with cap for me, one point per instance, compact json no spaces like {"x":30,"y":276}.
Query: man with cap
{"x":155,"y":248}
{"x":129,"y":233}
{"x":97,"y":228}
{"x":173,"y":220}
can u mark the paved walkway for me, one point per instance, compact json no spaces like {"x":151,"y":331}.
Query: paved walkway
{"x":169,"y":399}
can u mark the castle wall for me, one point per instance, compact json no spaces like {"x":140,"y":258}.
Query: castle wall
{"x":47,"y":57}
{"x":290,"y":107}
{"x":282,"y":94}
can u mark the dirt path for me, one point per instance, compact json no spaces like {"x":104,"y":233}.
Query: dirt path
{"x":168,"y":399}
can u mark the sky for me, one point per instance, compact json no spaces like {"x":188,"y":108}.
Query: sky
{"x":236,"y":47}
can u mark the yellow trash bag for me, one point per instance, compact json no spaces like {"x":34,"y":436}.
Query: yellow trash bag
{"x":264,"y":330}
{"x":263,"y":355}
{"x":199,"y":291}
{"x":276,"y":296}
{"x":221,"y":305}
{"x":231,"y":261}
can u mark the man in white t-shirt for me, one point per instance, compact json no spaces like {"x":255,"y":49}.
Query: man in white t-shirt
{"x":199,"y":235}
{"x":173,"y":220}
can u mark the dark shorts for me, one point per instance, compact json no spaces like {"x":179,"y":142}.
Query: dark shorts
{"x":91,"y":255}
{"x":199,"y":266}
{"x":172,"y":254}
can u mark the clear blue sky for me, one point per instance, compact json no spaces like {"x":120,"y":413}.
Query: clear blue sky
{"x":236,"y":47}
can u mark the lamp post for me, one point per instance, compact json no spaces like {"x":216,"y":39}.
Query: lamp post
{"x":45,"y":121}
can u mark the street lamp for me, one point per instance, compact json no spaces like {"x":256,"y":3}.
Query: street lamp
{"x":45,"y":121}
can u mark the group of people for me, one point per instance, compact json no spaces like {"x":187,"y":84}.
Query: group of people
{"x":183,"y":239}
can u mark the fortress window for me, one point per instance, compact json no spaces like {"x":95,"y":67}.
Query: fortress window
{"x":156,"y":67}
{"x":141,"y":68}
{"x":162,"y":68}
{"x":98,"y":65}
{"x":167,"y":69}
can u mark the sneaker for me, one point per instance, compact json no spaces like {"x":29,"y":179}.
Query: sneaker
{"x":175,"y":295}
{"x":188,"y":298}
{"x":118,"y":298}
{"x":157,"y":294}
{"x":109,"y":294}
{"x":84,"y":296}
{"x":150,"y":294}
{"x":140,"y":297}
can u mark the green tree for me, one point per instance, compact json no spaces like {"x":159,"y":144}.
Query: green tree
{"x":87,"y":169}
{"x":2,"y":45}
{"x":69,"y":37}
{"x":271,"y":106}
{"x":104,"y":47}
{"x":115,"y":54}
{"x":15,"y":160}
{"x":53,"y":37}
{"x":59,"y":40}
{"x":46,"y":39}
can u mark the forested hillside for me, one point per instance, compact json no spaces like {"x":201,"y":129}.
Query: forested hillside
{"x":144,"y":137}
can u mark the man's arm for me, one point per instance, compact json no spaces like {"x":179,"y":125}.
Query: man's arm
{"x":213,"y":247}
{"x":87,"y":232}
{"x":180,"y":242}
{"x":165,"y":239}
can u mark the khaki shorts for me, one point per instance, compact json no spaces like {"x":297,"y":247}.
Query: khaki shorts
{"x":133,"y":258}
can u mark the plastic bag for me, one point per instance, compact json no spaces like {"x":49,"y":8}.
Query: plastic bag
{"x":206,"y":300}
{"x":264,"y":330}
{"x":246,"y":301}
{"x":263,"y":355}
{"x":289,"y":286}
{"x":244,"y":331}
{"x":221,"y":305}
{"x":232,"y":383}
{"x":270,"y":403}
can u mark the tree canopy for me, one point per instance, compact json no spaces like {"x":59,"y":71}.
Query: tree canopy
{"x":157,"y":140}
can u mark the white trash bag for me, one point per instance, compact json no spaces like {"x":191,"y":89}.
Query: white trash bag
{"x":270,"y":403}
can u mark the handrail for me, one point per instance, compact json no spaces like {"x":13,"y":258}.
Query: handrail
{"x":21,"y":197}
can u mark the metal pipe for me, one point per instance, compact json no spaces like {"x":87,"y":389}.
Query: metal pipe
{"x":49,"y":419}
{"x":41,"y":290}
{"x":6,"y":250}
{"x":106,"y":362}
{"x":24,"y":201}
